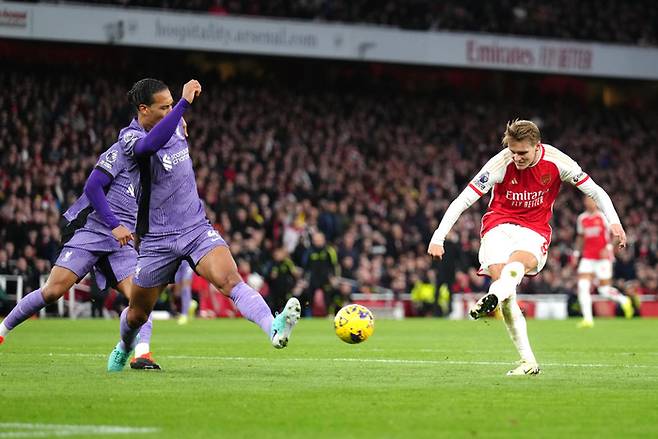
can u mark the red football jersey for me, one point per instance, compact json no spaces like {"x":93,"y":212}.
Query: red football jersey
{"x":596,"y":237}
{"x":525,"y":197}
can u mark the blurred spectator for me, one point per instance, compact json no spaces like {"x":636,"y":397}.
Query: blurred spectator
{"x":446,"y":270}
{"x":97,"y":296}
{"x":281,"y":276}
{"x":321,"y":265}
{"x":424,"y":293}
{"x":4,"y":262}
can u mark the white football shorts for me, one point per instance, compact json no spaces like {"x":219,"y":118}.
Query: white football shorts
{"x":498,"y":244}
{"x":601,"y":268}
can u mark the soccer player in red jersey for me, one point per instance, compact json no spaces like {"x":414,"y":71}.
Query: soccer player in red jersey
{"x":525,"y":177}
{"x":595,"y":262}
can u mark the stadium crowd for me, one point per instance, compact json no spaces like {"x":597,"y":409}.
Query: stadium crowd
{"x":611,"y":21}
{"x":358,"y":177}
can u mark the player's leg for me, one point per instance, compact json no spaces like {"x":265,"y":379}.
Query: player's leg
{"x":143,"y":358}
{"x":71,"y":265}
{"x":507,"y":253}
{"x":495,"y":251}
{"x":585,"y":300}
{"x":585,"y":276}
{"x":603,"y":271}
{"x":141,"y":302}
{"x":219,"y":268}
{"x":184,"y":286}
{"x":155,"y":269}
{"x":116,"y":269}
{"x":515,"y":321}
{"x":528,"y":254}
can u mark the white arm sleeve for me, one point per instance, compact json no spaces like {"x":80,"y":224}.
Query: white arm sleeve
{"x":459,"y":205}
{"x":588,"y":187}
{"x":491,"y":173}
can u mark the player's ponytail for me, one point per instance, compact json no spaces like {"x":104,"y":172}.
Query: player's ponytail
{"x":143,"y":90}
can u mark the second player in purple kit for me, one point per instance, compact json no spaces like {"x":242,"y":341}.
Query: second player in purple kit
{"x":171,"y":221}
{"x":183,"y":288}
{"x":97,"y":237}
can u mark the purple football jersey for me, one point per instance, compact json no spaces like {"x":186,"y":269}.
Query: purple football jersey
{"x":168,"y":199}
{"x":120,"y":194}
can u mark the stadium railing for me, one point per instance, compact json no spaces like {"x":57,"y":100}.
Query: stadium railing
{"x":15,"y":293}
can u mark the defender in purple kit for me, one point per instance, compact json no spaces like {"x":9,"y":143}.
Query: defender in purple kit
{"x":183,"y":288}
{"x":97,"y":237}
{"x":171,"y":221}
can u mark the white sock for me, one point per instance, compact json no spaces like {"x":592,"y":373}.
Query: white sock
{"x":612,"y":294}
{"x":585,"y":298}
{"x":3,"y":330}
{"x":510,"y":278}
{"x":517,"y":329}
{"x":142,"y":349}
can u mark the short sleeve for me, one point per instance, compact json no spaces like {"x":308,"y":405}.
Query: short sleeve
{"x":112,"y":161}
{"x":491,"y":173}
{"x":127,"y":140}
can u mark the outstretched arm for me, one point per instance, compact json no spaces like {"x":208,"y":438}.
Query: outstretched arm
{"x":456,"y":208}
{"x":491,"y":173}
{"x":571,"y":172}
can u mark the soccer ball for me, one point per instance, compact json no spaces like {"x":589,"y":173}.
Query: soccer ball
{"x":354,"y":324}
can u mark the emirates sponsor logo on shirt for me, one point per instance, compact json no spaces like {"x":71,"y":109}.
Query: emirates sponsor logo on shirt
{"x":526,"y":198}
{"x":592,"y":232}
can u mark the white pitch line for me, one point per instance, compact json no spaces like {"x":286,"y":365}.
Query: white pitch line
{"x":24,"y":429}
{"x":378,"y":360}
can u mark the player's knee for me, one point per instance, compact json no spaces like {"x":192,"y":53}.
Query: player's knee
{"x":136,"y":317}
{"x":513,"y":271}
{"x":229,"y":281}
{"x":584,"y":285}
{"x":53,"y":291}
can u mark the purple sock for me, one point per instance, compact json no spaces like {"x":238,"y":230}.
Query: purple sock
{"x":185,"y":299}
{"x":145,"y":331}
{"x":128,"y":334}
{"x":252,"y":306}
{"x":26,"y":308}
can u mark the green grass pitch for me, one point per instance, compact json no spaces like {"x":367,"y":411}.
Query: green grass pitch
{"x":412,"y":379}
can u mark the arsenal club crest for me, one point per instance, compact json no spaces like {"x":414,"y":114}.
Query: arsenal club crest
{"x":545,"y":179}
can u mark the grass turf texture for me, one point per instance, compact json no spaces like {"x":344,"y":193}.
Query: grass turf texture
{"x":413,"y":378}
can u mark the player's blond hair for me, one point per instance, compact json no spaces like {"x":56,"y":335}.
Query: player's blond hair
{"x":521,"y":130}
